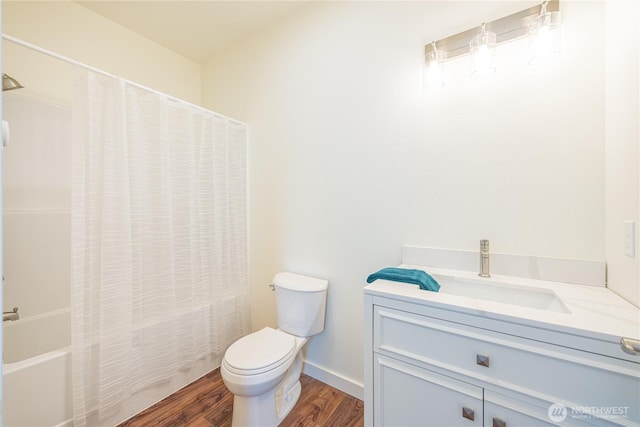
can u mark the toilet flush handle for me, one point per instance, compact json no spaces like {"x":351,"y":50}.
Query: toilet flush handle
{"x":272,"y":286}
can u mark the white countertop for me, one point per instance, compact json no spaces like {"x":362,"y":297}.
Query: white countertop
{"x":594,"y":312}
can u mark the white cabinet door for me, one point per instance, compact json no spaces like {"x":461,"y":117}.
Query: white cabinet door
{"x":405,"y":395}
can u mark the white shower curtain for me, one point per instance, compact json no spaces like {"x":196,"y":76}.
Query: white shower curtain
{"x":159,"y":240}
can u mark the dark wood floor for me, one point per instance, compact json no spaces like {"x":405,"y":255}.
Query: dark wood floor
{"x":207,"y":402}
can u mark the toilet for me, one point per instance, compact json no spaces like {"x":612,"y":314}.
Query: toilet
{"x":263,"y":369}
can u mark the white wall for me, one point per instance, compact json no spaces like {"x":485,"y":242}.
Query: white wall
{"x":350,"y":159}
{"x":36,"y":197}
{"x":69,"y":29}
{"x":622,"y":151}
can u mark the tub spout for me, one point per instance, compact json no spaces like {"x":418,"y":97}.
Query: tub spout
{"x":10,"y":315}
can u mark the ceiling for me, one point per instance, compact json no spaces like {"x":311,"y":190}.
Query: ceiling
{"x":194,"y":29}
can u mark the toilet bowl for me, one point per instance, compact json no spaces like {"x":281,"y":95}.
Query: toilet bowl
{"x":265,"y":383}
{"x":263,"y":369}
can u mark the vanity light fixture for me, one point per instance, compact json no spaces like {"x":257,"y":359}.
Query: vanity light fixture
{"x":434,"y":67}
{"x":544,"y":35}
{"x":483,"y":53}
{"x":538,"y":20}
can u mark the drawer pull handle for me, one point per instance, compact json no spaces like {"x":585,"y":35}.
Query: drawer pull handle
{"x":468,"y":413}
{"x":630,"y":346}
{"x":497,"y":422}
{"x":482,"y":360}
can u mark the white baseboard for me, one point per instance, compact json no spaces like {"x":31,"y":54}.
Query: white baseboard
{"x":335,"y":380}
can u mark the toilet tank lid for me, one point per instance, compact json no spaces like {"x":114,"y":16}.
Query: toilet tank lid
{"x":298,"y":282}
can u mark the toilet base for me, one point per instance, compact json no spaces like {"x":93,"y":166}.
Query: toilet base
{"x":254,"y":411}
{"x":269,"y":409}
{"x":263,"y":410}
{"x":286,"y":403}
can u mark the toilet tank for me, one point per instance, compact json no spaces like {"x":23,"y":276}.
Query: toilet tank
{"x":300,"y":303}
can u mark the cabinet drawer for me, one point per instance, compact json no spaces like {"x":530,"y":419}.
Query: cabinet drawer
{"x":551,"y":373}
{"x":504,"y":411}
{"x":406,"y":395}
{"x":502,"y":416}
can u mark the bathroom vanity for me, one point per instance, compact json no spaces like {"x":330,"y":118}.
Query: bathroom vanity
{"x":499,"y":351}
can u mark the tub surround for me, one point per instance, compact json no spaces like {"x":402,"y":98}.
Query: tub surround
{"x":35,"y":335}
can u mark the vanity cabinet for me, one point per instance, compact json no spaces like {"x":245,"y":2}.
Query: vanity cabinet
{"x":428,"y":366}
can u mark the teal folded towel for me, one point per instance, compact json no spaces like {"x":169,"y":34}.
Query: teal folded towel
{"x":416,"y":277}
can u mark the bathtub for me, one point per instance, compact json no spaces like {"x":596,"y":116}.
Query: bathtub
{"x":37,"y":371}
{"x":37,"y":375}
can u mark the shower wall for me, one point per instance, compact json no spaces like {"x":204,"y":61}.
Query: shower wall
{"x":36,"y":200}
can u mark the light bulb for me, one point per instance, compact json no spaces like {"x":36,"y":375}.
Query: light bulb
{"x":544,"y":37}
{"x":434,"y":69}
{"x":482,"y":48}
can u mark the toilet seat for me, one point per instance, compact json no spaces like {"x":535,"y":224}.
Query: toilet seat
{"x":259,"y":352}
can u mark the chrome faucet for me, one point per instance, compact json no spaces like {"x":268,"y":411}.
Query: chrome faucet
{"x":484,"y":259}
{"x":10,"y":315}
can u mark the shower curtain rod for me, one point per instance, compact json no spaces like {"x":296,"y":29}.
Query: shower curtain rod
{"x":68,"y":60}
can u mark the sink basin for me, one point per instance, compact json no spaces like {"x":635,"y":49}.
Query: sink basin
{"x":485,"y":289}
